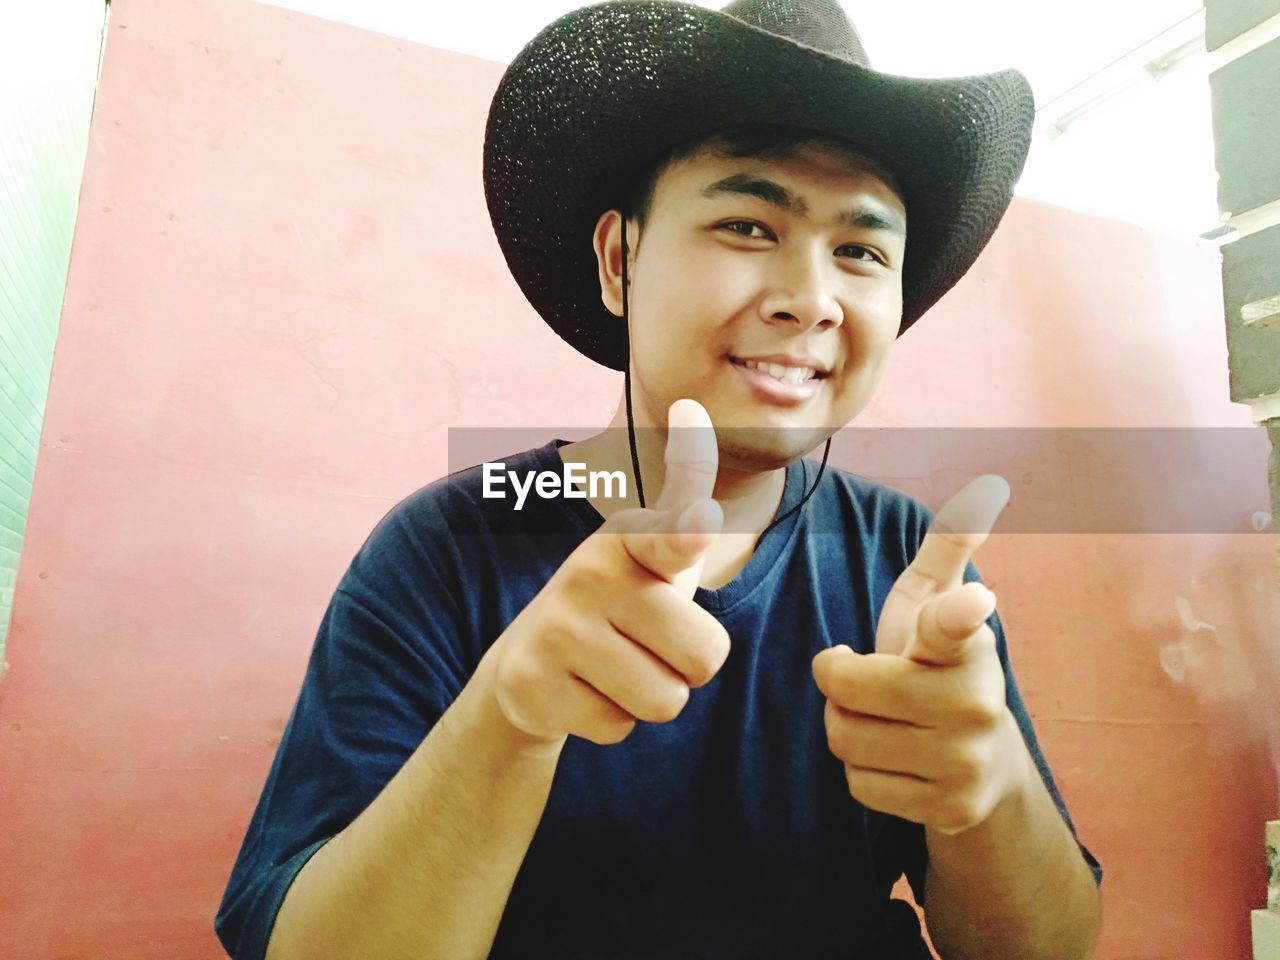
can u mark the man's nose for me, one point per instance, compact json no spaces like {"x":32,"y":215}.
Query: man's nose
{"x":801,"y":291}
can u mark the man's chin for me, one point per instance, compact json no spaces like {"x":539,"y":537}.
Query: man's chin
{"x":767,"y":448}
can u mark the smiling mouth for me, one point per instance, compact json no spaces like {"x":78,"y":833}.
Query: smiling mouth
{"x":783,"y":374}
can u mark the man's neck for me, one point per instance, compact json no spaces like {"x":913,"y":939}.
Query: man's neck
{"x":748,"y":498}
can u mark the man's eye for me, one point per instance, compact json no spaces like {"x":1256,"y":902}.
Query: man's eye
{"x":744,"y":228}
{"x":747,"y":228}
{"x":865,"y":254}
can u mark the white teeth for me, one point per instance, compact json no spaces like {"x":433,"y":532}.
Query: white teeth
{"x":795,"y":375}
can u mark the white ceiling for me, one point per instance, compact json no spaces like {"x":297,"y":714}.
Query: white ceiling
{"x":1143,"y":155}
{"x":1055,"y":45}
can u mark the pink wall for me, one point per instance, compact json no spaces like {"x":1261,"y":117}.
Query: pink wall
{"x":284,"y":288}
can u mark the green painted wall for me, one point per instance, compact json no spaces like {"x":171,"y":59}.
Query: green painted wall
{"x":1250,"y":272}
{"x":1246,"y":139}
{"x":1227,"y":19}
{"x":49,"y":58}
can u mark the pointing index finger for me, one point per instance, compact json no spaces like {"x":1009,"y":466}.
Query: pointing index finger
{"x":958,"y":529}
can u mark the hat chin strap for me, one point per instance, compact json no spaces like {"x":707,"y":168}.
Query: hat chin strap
{"x":626,"y":370}
{"x":631,"y":430}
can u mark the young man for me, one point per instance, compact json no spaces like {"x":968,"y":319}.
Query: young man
{"x":721,"y":720}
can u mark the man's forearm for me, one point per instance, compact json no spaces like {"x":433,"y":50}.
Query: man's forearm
{"x":426,"y":869}
{"x":1013,"y":886}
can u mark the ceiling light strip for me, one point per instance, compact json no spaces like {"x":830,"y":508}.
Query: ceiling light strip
{"x":1176,"y":49}
{"x":1170,"y":44}
{"x":1251,"y":221}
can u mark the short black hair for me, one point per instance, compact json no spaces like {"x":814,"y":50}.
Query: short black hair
{"x":762,"y":140}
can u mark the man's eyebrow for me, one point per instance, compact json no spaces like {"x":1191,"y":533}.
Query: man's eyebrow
{"x":761,"y":188}
{"x":874,"y":218}
{"x":864,"y":215}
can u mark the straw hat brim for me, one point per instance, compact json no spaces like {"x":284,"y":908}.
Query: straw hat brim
{"x":586,"y":107}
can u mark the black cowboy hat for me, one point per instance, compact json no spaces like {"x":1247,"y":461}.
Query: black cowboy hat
{"x":588,"y":106}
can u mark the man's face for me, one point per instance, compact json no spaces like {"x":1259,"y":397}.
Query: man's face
{"x":770,"y":291}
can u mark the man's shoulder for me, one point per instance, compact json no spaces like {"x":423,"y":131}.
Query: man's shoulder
{"x":463,"y":507}
{"x":849,"y":497}
{"x":447,"y":532}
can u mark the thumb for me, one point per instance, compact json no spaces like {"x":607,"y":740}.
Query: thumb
{"x":671,"y":539}
{"x":692,"y":458}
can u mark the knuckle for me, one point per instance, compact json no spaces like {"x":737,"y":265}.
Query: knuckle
{"x":619,"y":731}
{"x":607,"y":733}
{"x":856,"y":790}
{"x":707,"y":659}
{"x":940,"y":807}
{"x":587,"y":577}
{"x":720,"y":646}
{"x":704,"y":650}
{"x":966,"y":768}
{"x":838,"y":736}
{"x":944,"y":814}
{"x":846,"y":692}
{"x":836,"y":744}
{"x":981,"y":712}
{"x":558,"y":639}
{"x":519,"y":676}
{"x":993,"y":707}
{"x":666,"y":706}
{"x":858,"y":786}
{"x":699,"y":670}
{"x":961,"y":810}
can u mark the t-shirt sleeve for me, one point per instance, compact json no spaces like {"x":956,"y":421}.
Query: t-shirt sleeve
{"x":1013,"y":697}
{"x":390,"y":655}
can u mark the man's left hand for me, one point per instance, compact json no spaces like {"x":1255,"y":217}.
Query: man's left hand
{"x":921,"y":725}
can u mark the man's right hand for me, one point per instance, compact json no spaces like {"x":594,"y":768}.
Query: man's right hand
{"x":614,"y":636}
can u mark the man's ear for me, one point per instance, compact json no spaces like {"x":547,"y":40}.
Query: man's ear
{"x":607,"y":241}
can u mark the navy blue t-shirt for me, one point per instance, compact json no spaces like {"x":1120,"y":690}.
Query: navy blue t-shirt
{"x":729,"y":832}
